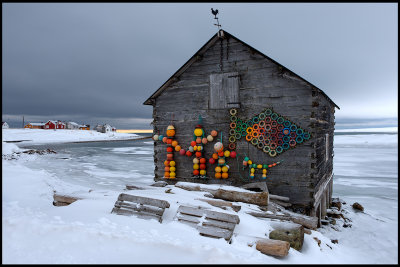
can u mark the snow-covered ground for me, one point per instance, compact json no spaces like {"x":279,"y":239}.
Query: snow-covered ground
{"x":41,"y":136}
{"x":35,"y":231}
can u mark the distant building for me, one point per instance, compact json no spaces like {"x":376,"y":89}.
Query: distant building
{"x":54,"y":125}
{"x":5,"y":125}
{"x":105,"y":128}
{"x":72,"y":125}
{"x":98,"y":128}
{"x":35,"y":125}
{"x":84,"y":127}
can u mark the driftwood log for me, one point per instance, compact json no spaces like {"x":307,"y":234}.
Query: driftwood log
{"x":221,"y":204}
{"x":230,"y":195}
{"x":279,"y":198}
{"x":273,"y":247}
{"x":306,"y":221}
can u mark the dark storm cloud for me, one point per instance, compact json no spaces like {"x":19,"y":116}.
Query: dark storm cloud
{"x":104,"y":60}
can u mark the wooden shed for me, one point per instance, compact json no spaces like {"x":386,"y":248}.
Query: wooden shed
{"x":280,"y":126}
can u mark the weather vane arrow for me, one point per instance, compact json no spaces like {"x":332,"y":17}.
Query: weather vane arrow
{"x":215,"y":12}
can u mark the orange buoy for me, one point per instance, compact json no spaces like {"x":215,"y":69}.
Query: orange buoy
{"x":170,"y":130}
{"x":174,"y":143}
{"x":225,"y":175}
{"x":218,"y":175}
{"x":214,"y":133}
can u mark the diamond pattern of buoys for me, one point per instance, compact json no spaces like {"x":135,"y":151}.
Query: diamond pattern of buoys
{"x":268,"y":131}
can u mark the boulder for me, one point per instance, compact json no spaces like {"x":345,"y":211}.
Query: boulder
{"x":290,"y":232}
{"x":270,"y":247}
{"x":357,"y":206}
{"x":63,"y":200}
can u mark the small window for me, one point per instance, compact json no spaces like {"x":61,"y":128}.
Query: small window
{"x":224,"y":90}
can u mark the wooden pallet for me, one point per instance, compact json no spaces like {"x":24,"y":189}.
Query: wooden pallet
{"x":208,"y":222}
{"x":143,"y":207}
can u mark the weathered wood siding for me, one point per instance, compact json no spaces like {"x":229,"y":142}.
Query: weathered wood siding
{"x":262,"y":84}
{"x":323,"y":125}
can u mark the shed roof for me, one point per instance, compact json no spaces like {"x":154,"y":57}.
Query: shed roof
{"x":201,"y":51}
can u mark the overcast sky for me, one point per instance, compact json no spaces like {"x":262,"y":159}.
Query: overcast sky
{"x":98,"y":62}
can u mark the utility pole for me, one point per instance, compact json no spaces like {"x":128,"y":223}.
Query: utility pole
{"x":23,"y":121}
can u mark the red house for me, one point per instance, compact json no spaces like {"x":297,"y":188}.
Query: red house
{"x":54,"y":125}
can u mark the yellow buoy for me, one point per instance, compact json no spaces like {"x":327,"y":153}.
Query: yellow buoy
{"x":198,"y":132}
{"x":224,"y":169}
{"x":218,"y":169}
{"x":172,"y":163}
{"x":227,"y":153}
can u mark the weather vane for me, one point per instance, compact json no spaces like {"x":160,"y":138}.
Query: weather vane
{"x":215,"y":12}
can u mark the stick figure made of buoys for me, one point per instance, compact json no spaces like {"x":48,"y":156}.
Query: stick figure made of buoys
{"x":170,"y":168}
{"x":253,"y":167}
{"x":196,"y":146}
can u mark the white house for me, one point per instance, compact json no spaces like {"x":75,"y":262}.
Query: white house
{"x":5,"y":125}
{"x":72,"y":125}
{"x":107,"y":128}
